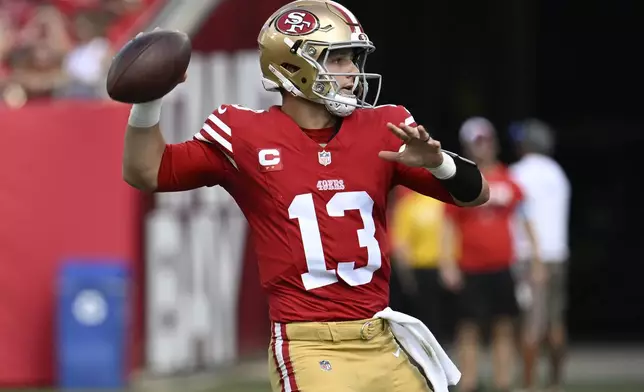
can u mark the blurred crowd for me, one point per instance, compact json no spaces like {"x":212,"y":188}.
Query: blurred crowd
{"x":61,"y":48}
{"x":497,"y":273}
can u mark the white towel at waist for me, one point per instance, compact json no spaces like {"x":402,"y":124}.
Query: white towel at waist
{"x":423,"y":347}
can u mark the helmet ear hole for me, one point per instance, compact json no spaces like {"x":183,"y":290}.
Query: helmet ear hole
{"x":290,"y":67}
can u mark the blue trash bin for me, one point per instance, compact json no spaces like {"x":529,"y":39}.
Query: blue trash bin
{"x":92,"y":325}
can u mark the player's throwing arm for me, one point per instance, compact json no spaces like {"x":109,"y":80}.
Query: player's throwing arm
{"x":143,"y":72}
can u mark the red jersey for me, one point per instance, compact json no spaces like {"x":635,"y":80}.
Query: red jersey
{"x":485,"y":231}
{"x":317,"y":215}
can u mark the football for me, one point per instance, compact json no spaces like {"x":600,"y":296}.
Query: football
{"x":149,"y":66}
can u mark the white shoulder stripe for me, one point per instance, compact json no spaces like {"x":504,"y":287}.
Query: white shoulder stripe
{"x":200,"y":137}
{"x":220,"y":124}
{"x":217,"y":137}
{"x":409,"y":120}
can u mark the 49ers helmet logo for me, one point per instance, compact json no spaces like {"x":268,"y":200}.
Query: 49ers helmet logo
{"x":297,"y":22}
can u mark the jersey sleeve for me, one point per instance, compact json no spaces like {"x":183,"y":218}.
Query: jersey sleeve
{"x":222,"y":127}
{"x":190,"y":165}
{"x":415,"y":178}
{"x":207,"y":160}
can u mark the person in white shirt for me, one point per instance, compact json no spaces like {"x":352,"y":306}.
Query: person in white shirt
{"x":547,"y":204}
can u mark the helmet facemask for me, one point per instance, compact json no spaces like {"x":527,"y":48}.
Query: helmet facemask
{"x":337,"y":100}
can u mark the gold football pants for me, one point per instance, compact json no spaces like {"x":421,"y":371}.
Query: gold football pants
{"x":349,"y":356}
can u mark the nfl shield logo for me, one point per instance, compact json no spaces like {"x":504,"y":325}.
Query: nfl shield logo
{"x":324,"y":157}
{"x":325,"y":365}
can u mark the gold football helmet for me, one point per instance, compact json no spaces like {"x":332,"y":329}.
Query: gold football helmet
{"x":295,"y":43}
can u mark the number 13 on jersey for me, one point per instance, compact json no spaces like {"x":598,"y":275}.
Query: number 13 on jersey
{"x":303,"y":209}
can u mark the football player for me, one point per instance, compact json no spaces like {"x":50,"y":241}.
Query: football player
{"x":312,"y":177}
{"x":482,"y":275}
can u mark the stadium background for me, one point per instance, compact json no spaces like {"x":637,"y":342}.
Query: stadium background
{"x":198,"y":316}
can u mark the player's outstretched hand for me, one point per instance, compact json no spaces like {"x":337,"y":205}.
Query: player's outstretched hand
{"x":419,"y":150}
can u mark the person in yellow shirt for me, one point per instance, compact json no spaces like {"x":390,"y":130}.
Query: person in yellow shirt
{"x":416,"y":234}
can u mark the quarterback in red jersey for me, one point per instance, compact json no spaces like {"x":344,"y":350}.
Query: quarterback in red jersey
{"x":312,"y":178}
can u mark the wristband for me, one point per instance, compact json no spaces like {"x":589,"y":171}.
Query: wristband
{"x":145,"y":115}
{"x":467,"y":182}
{"x":445,"y":170}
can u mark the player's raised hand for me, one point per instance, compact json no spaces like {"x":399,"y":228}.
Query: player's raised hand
{"x":419,"y":150}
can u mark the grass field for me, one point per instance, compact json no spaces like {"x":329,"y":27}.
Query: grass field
{"x":236,"y":385}
{"x":590,"y":369}
{"x":608,"y":387}
{"x":263,"y":387}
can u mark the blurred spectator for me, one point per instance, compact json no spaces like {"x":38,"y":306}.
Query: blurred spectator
{"x":482,"y":274}
{"x":124,"y":14}
{"x":547,"y":205}
{"x":416,"y":230}
{"x":37,"y":70}
{"x":34,"y":61}
{"x":6,"y":39}
{"x":61,"y":48}
{"x":86,"y":65}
